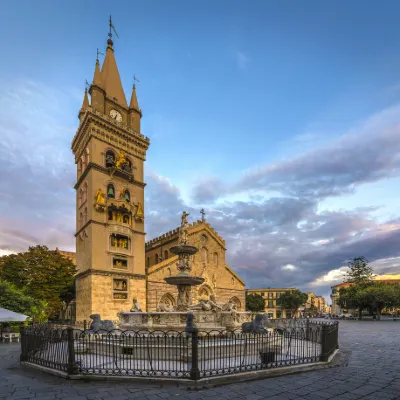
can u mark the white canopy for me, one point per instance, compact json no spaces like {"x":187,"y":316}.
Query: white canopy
{"x":11,"y":316}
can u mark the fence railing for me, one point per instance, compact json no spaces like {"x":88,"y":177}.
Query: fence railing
{"x":193,"y":355}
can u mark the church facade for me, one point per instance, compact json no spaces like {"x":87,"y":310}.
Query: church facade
{"x":114,"y":264}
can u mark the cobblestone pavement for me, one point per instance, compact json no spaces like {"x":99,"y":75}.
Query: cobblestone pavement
{"x":369,"y":368}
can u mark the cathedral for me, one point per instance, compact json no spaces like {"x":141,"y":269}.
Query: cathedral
{"x":114,"y":263}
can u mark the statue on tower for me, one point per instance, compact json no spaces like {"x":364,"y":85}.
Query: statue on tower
{"x":122,"y":161}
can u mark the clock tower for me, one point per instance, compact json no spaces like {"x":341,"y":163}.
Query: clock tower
{"x":110,"y":151}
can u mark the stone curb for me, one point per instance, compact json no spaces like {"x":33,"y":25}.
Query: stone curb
{"x":200,"y":384}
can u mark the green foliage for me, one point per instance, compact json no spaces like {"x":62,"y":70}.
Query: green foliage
{"x":255,"y":303}
{"x":44,"y":274}
{"x":17,"y":300}
{"x":359,"y":271}
{"x":293,"y":300}
{"x":373,"y":295}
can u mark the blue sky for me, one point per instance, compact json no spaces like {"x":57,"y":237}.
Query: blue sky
{"x":254,"y":110}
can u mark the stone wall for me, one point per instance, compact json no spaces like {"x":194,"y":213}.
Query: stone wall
{"x":95,"y":295}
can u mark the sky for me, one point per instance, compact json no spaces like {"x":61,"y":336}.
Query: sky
{"x":280,"y":119}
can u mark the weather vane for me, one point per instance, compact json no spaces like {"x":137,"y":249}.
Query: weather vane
{"x":135,"y":80}
{"x":112,"y":29}
{"x":97,"y":56}
{"x":87,"y":84}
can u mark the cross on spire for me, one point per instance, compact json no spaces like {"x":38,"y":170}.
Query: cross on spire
{"x":203,"y":213}
{"x":99,"y":52}
{"x":112,"y":29}
{"x":135,"y":80}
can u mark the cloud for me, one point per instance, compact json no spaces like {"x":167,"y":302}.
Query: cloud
{"x":282,"y":239}
{"x":242,"y":60}
{"x":37,"y":198}
{"x":289,"y":267}
{"x":368,"y":153}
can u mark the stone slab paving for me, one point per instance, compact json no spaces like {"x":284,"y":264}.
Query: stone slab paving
{"x":368,"y":368}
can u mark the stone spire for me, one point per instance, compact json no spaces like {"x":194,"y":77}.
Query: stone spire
{"x":85,"y":104}
{"x":97,"y":75}
{"x":134,"y":103}
{"x":111,"y":79}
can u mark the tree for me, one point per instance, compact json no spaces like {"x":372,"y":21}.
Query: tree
{"x":255,"y":303}
{"x":381,"y":295}
{"x":44,"y":274}
{"x":18,"y":301}
{"x":359,"y":271}
{"x":293,"y":300}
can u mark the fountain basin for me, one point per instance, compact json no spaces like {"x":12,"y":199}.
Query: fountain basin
{"x":184,"y":249}
{"x":184,"y":280}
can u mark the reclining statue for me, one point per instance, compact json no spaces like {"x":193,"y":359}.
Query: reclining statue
{"x":99,"y":325}
{"x":255,"y":326}
{"x":163,"y":307}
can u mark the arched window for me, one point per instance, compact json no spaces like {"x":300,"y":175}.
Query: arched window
{"x":110,"y":158}
{"x":110,"y":191}
{"x":165,"y":254}
{"x":169,"y":272}
{"x":127,"y":195}
{"x":148,"y":262}
{"x":156,"y":258}
{"x":81,"y":218}
{"x":125,"y":219}
{"x":215,"y":258}
{"x":203,"y":255}
{"x":110,"y":215}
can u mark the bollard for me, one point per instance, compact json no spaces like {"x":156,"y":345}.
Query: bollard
{"x":72,"y":367}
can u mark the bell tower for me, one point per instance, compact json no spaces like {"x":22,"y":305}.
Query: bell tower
{"x":110,"y":151}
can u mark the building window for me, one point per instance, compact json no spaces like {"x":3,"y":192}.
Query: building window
{"x":262,"y":294}
{"x":270,"y":314}
{"x":278,"y":314}
{"x":156,"y":258}
{"x":120,"y":289}
{"x":120,"y":241}
{"x":165,"y":254}
{"x":270,"y":303}
{"x":215,"y":258}
{"x":125,"y":219}
{"x":110,"y":191}
{"x":120,"y":263}
{"x":110,"y":159}
{"x":203,"y":255}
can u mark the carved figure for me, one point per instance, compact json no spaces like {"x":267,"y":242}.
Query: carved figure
{"x":255,"y":326}
{"x":184,"y":221}
{"x":190,"y":325}
{"x":121,"y":160}
{"x":139,"y":212}
{"x":214,"y":280}
{"x":100,"y":197}
{"x":229,"y":306}
{"x":164,"y":307}
{"x":201,"y":305}
{"x":135,"y":306}
{"x":99,"y":325}
{"x":213,"y":302}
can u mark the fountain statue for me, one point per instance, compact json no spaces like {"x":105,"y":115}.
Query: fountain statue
{"x":208,"y":314}
{"x":184,"y":281}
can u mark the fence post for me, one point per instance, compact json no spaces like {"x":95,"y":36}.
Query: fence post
{"x":194,"y":371}
{"x":84,"y":325}
{"x":72,"y":368}
{"x":308,"y":329}
{"x":324,"y":343}
{"x":24,"y":355}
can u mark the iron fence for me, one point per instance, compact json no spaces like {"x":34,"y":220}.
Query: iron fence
{"x":193,"y":355}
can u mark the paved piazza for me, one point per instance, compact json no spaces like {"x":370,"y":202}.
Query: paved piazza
{"x":368,"y":368}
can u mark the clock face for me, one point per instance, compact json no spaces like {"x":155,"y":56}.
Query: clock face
{"x":116,"y":115}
